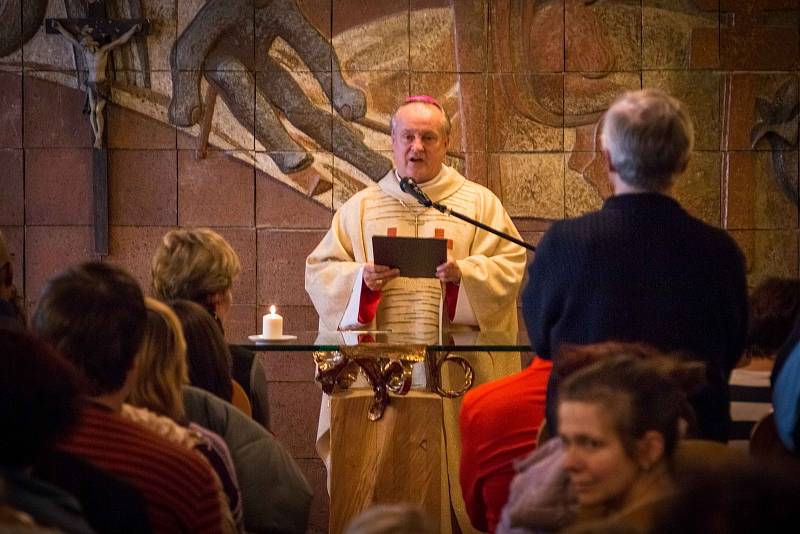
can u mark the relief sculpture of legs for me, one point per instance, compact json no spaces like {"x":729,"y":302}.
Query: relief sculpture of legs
{"x":215,"y":44}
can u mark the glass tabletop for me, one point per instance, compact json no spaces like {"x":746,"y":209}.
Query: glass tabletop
{"x":440,"y":342}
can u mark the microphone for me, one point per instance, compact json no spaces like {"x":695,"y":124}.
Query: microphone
{"x":407,"y":185}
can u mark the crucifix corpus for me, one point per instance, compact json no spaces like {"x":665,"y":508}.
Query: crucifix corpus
{"x":93,"y":39}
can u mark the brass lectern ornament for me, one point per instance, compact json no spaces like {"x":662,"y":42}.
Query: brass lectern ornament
{"x":388,"y":368}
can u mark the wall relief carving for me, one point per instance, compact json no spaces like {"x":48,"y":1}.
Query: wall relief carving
{"x":312,"y":111}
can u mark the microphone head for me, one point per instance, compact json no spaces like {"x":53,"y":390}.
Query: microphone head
{"x":407,"y":185}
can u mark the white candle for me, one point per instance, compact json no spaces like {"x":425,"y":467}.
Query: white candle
{"x":272,"y":324}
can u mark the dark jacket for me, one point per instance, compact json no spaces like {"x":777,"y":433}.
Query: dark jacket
{"x":642,"y":269}
{"x":275,"y":494}
{"x":249,"y":372}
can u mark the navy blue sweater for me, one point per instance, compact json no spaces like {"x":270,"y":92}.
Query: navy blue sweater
{"x":642,"y":269}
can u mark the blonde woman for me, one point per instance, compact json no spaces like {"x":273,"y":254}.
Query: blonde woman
{"x":156,"y":399}
{"x":275,"y":496}
{"x":199,"y":265}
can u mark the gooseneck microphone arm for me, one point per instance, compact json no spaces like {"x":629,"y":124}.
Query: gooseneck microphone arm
{"x":409,"y":186}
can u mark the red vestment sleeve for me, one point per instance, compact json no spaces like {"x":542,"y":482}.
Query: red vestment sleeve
{"x":368,"y":304}
{"x":451,"y":299}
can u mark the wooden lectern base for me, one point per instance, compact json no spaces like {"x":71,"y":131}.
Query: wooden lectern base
{"x":399,"y":458}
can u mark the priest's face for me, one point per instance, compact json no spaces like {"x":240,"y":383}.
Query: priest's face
{"x":419,"y":141}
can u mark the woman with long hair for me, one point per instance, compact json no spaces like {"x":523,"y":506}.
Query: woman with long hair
{"x":275,"y":496}
{"x":619,"y":422}
{"x":207,"y":354}
{"x":156,"y":399}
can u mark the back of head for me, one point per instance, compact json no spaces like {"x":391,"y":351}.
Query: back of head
{"x":573,"y":357}
{"x":39,"y":398}
{"x":162,"y":369}
{"x":649,"y":138}
{"x":642,"y":394}
{"x":391,"y":519}
{"x":193,"y":264}
{"x":94,"y":314}
{"x":773,"y":307}
{"x":207,"y":354}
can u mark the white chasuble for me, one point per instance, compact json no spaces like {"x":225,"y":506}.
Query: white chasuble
{"x":492,"y":269}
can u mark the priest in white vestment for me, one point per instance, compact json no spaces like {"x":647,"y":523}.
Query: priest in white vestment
{"x":476,"y":289}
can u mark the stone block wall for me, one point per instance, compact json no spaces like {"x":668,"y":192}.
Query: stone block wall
{"x":525,"y":83}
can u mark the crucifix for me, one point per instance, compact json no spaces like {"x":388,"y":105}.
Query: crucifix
{"x":93,"y":38}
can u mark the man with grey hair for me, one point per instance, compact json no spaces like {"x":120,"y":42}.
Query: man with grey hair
{"x":641,"y":268}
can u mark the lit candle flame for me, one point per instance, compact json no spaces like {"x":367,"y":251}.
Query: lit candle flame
{"x":272,"y":309}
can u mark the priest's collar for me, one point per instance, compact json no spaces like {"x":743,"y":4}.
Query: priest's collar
{"x":430,"y":182}
{"x":441,"y":186}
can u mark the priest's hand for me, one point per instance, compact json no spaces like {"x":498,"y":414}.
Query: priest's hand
{"x":449,"y":272}
{"x":376,"y":276}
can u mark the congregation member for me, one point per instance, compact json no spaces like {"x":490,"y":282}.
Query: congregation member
{"x":476,"y":288}
{"x":275,"y":494}
{"x":401,"y":518}
{"x":155,"y":402}
{"x":40,"y":396}
{"x":263,"y":483}
{"x":641,"y":268}
{"x":785,"y":381}
{"x":745,"y":497}
{"x":199,"y":265}
{"x":619,"y":422}
{"x":539,"y":496}
{"x":621,"y":411}
{"x":94,"y":315}
{"x":499,"y":422}
{"x":773,"y":307}
{"x":207,"y":354}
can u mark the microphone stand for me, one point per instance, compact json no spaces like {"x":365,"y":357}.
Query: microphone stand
{"x":449,"y":211}
{"x":410,"y":187}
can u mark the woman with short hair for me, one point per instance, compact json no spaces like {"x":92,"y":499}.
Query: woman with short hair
{"x":201,"y":266}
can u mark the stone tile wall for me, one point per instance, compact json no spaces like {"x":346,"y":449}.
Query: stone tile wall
{"x":524,"y":82}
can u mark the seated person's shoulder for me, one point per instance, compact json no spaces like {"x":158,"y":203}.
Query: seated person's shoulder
{"x":507,"y":392}
{"x":221,"y":417}
{"x":112,"y":431}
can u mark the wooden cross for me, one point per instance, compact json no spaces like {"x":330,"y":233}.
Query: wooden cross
{"x":93,"y":38}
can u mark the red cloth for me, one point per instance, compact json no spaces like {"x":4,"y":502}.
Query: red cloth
{"x":451,"y":299}
{"x":368,"y":304}
{"x":499,"y":422}
{"x":176,"y":483}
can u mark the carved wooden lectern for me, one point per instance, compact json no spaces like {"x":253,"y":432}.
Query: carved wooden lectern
{"x":387,"y":442}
